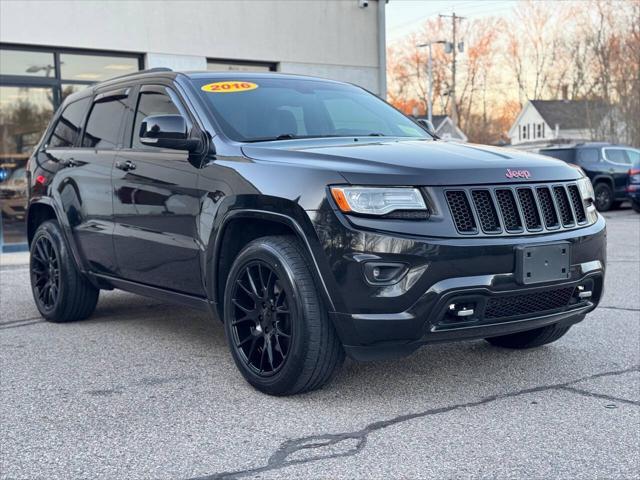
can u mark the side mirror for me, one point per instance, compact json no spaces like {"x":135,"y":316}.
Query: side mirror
{"x":167,"y":131}
{"x":428,"y":126}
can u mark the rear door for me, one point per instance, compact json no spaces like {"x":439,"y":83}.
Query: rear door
{"x":156,"y":203}
{"x":84,"y":179}
{"x":618,"y":165}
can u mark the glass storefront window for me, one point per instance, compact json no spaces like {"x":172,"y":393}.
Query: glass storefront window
{"x":70,"y":88}
{"x":34,"y":64}
{"x":24,"y":115}
{"x":95,"y":68}
{"x":34,"y":83}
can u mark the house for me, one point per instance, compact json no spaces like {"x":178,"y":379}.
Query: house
{"x":544,"y":122}
{"x":445,"y":128}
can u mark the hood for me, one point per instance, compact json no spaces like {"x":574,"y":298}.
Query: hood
{"x":414,"y":162}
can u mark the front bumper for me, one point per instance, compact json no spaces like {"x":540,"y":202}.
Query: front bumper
{"x":381,"y":322}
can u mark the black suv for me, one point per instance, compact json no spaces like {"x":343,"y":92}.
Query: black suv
{"x":606,"y":164}
{"x":309,"y":216}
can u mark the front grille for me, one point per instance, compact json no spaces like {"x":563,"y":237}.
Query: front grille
{"x":509,"y":210}
{"x":547,"y":207}
{"x":520,"y":209}
{"x":486,"y":211}
{"x":528,"y":303}
{"x":529,"y":209}
{"x":576,"y":201}
{"x":563,"y":205}
{"x":461,"y":211}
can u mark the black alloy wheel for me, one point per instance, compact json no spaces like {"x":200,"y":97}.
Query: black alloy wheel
{"x":261,"y":323}
{"x":61,"y":292}
{"x":45,"y":273}
{"x":278,"y":330}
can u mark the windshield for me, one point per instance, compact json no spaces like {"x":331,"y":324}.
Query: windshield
{"x":261,"y":109}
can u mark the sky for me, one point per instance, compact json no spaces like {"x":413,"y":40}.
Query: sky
{"x":405,"y":16}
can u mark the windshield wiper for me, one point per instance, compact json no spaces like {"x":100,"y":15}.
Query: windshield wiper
{"x":288,"y":136}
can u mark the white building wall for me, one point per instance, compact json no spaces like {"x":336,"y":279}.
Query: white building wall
{"x":531,"y":118}
{"x":335,"y":39}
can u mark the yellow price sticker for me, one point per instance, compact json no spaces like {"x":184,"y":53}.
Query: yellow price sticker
{"x":229,"y":87}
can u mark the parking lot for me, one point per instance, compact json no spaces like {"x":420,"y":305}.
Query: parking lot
{"x":148,"y":390}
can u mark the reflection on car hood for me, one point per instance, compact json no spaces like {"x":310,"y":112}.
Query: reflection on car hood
{"x":413,"y":162}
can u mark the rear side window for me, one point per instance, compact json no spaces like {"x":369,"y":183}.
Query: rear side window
{"x":68,"y":126}
{"x":617,"y":155}
{"x":565,"y":154}
{"x":152,"y":103}
{"x":588,"y":155}
{"x":105,"y":123}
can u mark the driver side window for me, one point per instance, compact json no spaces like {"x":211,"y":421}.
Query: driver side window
{"x":151,"y":103}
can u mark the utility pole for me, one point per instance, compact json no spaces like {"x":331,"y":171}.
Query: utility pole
{"x":454,"y":23}
{"x":430,"y":77}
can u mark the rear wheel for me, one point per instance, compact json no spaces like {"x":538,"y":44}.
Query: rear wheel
{"x":279,"y":333}
{"x":61,"y":292}
{"x":635,"y":204}
{"x":604,"y":197}
{"x":530,"y":338}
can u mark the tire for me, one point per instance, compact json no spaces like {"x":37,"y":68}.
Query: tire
{"x":276,"y":324}
{"x":530,"y":338}
{"x":61,"y":292}
{"x":604,"y":197}
{"x":635,"y":205}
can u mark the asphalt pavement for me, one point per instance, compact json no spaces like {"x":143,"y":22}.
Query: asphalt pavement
{"x":148,"y":390}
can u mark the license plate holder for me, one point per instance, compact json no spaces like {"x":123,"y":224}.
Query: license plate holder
{"x":543,"y":263}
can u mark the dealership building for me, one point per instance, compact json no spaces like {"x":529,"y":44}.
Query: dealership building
{"x":49,"y":49}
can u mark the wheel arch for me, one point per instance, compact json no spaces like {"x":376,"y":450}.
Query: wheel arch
{"x":43,"y":209}
{"x":240,"y":227}
{"x":603,"y":179}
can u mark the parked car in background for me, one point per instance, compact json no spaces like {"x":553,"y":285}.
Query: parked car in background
{"x":13,"y":195}
{"x":606,"y":164}
{"x":633,"y":183}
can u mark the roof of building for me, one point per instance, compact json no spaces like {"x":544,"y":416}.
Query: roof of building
{"x":571,"y":114}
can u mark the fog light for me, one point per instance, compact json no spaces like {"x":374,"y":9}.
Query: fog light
{"x":379,"y":273}
{"x":583,"y":293}
{"x":461,"y":310}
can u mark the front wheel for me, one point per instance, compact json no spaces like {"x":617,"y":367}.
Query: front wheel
{"x":530,"y":338}
{"x":61,"y":292}
{"x":278,"y":330}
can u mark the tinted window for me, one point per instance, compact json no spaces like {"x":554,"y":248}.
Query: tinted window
{"x":266,"y":108}
{"x":69,"y":124}
{"x":151,"y":103}
{"x":588,"y":155}
{"x":103,"y":126}
{"x":565,"y":154}
{"x":634,"y":157}
{"x":617,"y":155}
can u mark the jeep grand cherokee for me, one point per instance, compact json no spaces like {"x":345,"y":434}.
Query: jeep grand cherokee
{"x":310,"y":216}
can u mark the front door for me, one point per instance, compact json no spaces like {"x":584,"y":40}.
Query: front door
{"x":156,"y":204}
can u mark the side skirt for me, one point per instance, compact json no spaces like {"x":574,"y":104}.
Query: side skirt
{"x":192,"y":301}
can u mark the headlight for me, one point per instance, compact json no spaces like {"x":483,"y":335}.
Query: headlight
{"x":377,"y":200}
{"x":586,"y":189}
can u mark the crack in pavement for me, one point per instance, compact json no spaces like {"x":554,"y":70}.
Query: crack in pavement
{"x":281,"y":458}
{"x":625,"y":309}
{"x":603,"y":396}
{"x":20,"y":323}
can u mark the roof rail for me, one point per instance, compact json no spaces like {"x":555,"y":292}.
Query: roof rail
{"x":137,"y":72}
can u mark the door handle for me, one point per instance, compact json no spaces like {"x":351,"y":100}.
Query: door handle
{"x":126,"y":166}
